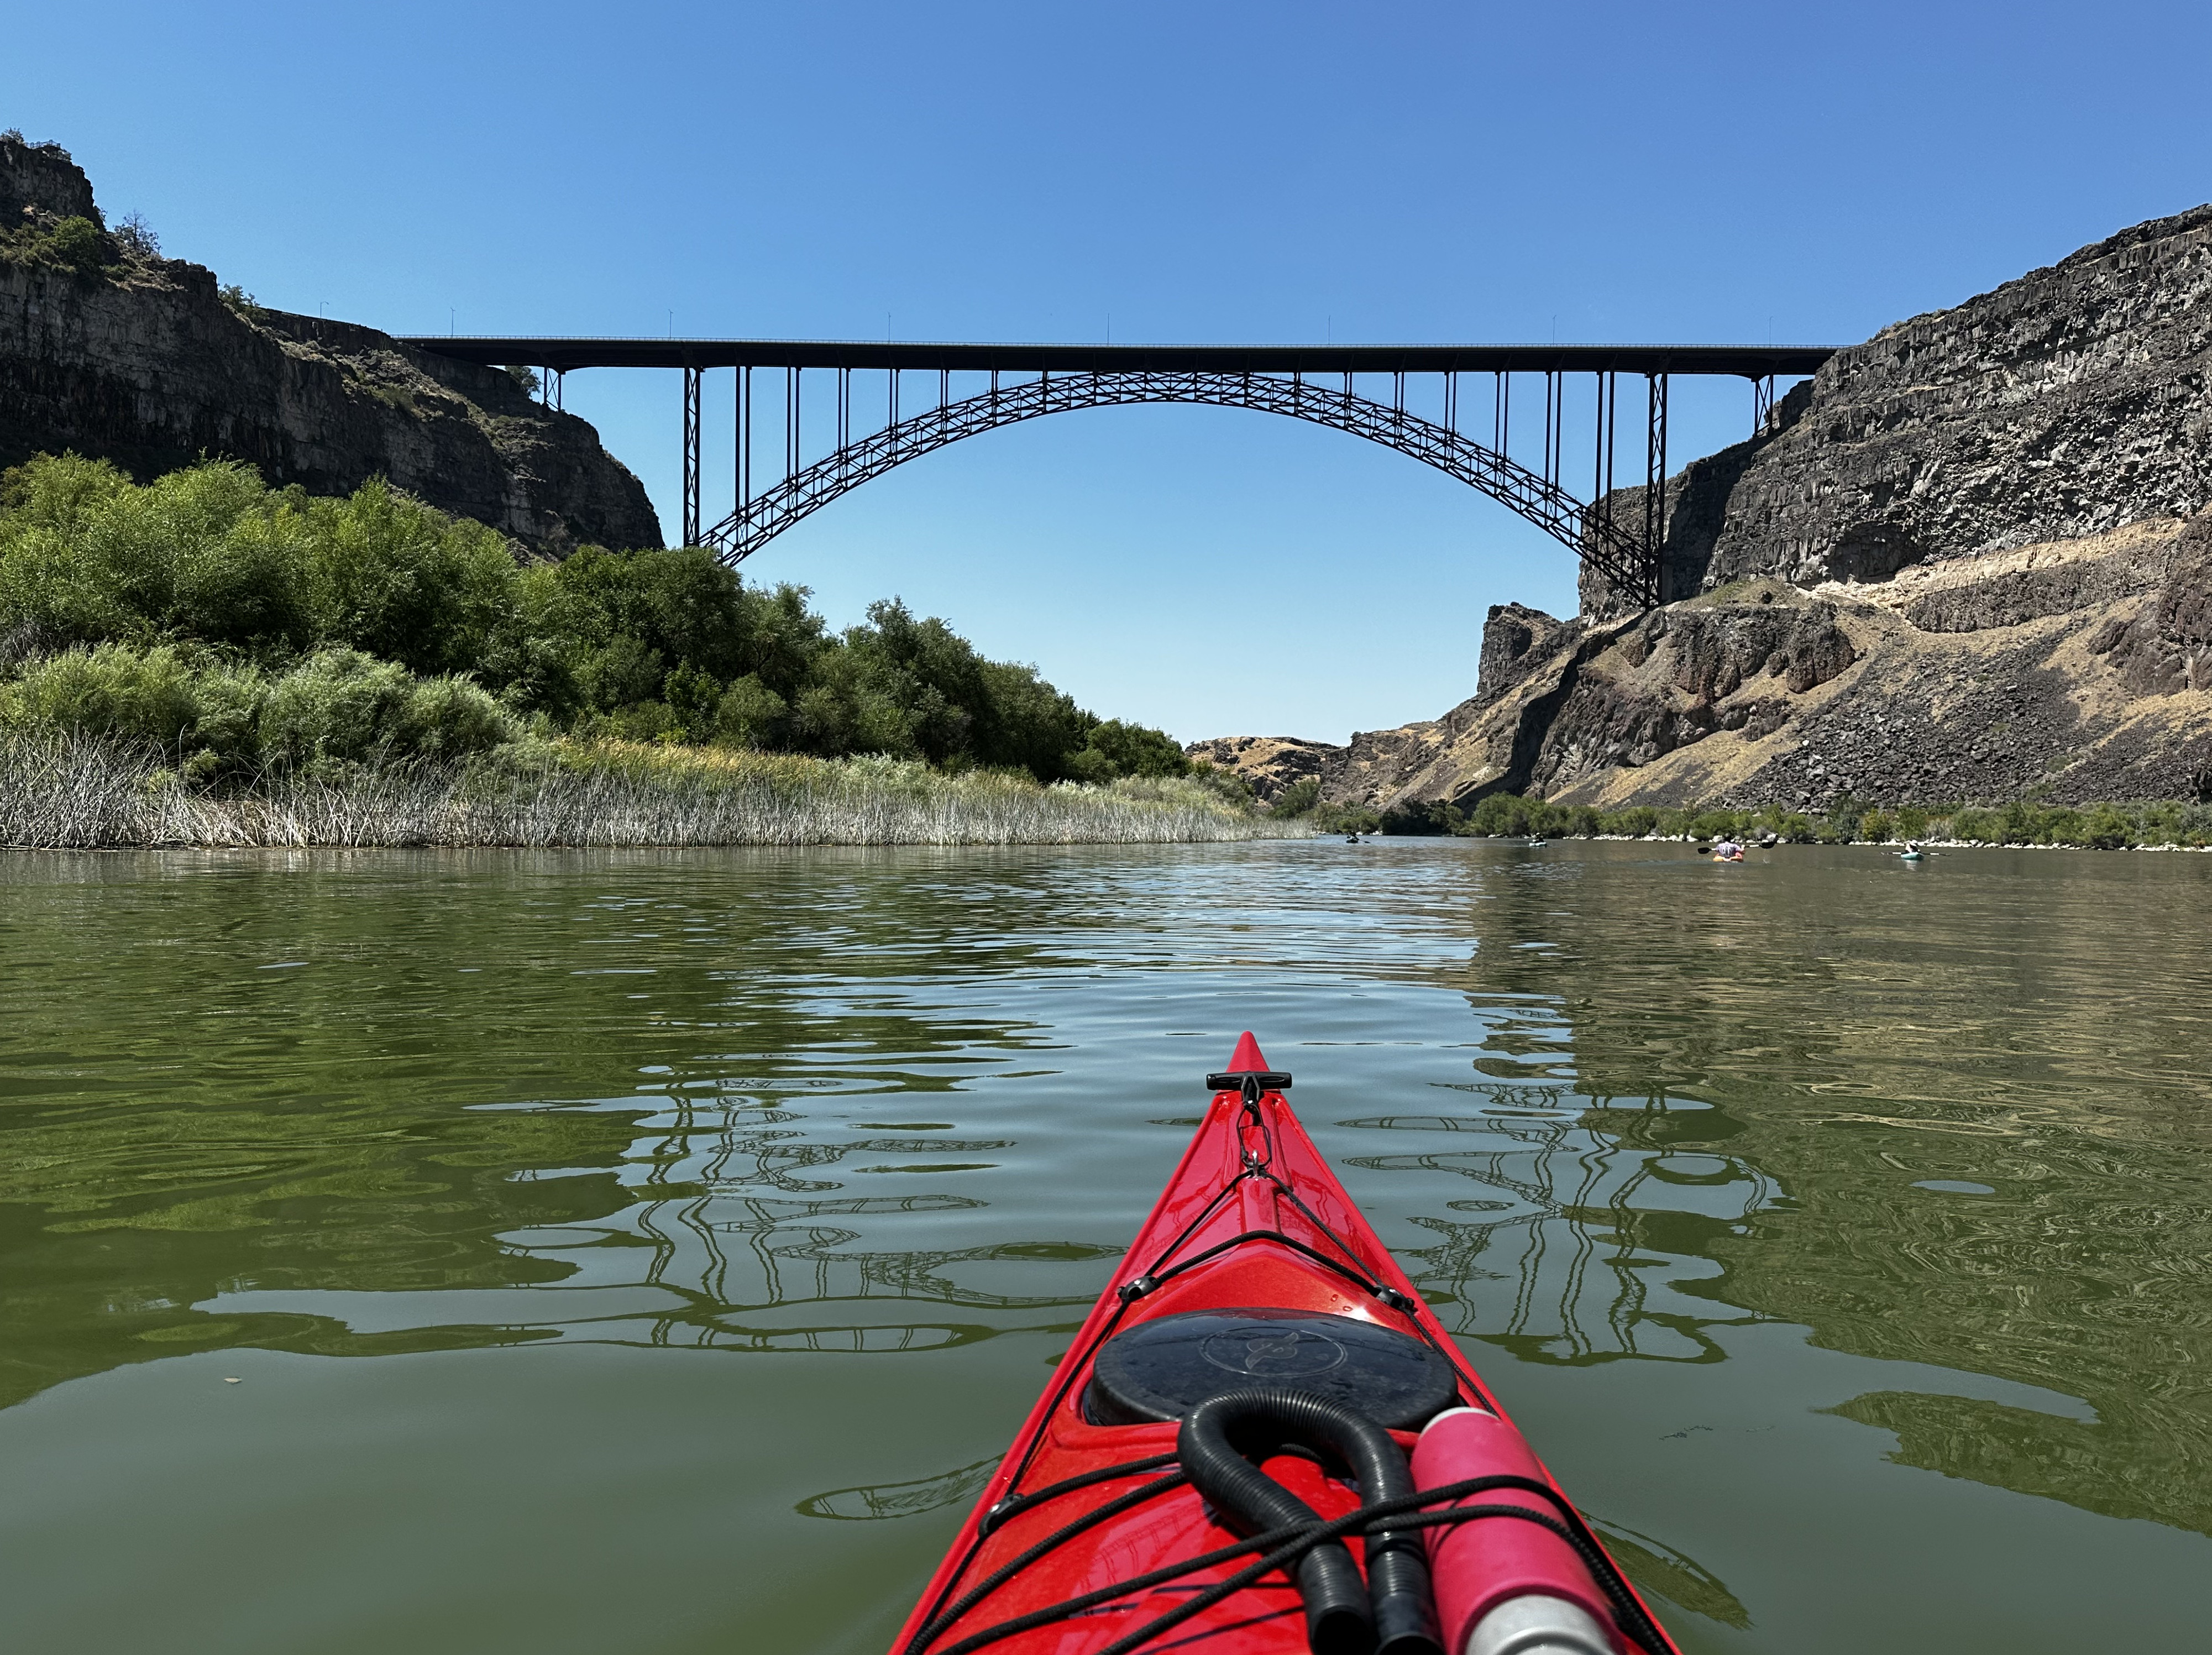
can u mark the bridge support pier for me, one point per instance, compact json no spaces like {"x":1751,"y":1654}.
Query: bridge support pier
{"x":692,"y":377}
{"x":1655,"y":483}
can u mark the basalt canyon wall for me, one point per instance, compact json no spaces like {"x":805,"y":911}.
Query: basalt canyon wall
{"x":1970,"y":559}
{"x":110,"y":349}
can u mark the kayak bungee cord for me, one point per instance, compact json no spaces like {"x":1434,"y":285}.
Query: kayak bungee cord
{"x":1013,"y":1504}
{"x":1292,"y":1540}
{"x":1013,"y":1566}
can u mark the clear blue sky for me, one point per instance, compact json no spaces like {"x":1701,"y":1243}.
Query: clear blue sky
{"x":1171,"y":171}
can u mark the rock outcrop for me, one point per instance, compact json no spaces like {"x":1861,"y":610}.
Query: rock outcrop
{"x":110,"y":349}
{"x":1970,"y":559}
{"x":2069,"y":403}
{"x":1269,"y":762}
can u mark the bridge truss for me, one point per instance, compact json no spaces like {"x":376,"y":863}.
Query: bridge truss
{"x":1003,"y":385}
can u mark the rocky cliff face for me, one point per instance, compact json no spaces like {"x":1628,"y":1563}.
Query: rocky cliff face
{"x":1971,"y":559}
{"x":108,"y":348}
{"x":2069,"y":403}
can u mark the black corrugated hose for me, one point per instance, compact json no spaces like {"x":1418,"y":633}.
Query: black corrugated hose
{"x":1220,"y":1445}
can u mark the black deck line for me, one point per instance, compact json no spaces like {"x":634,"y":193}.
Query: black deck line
{"x":563,"y":353}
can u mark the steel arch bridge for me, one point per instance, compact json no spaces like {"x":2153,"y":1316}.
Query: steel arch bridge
{"x":1320,"y":384}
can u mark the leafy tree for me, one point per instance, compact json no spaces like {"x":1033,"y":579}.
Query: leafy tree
{"x":696,"y":698}
{"x":750,"y":714}
{"x":402,"y":581}
{"x":1133,"y":749}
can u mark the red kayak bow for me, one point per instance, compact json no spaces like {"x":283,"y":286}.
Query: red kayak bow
{"x":1231,"y":1429}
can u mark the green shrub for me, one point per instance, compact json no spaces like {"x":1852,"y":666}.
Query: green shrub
{"x":72,"y":243}
{"x":750,"y":714}
{"x":641,"y":720}
{"x":1133,"y":749}
{"x":1346,"y":818}
{"x":2016,"y":823}
{"x":111,"y":690}
{"x":1978,"y":827}
{"x":1876,"y":827}
{"x":1299,"y":799}
{"x":1209,"y":781}
{"x":55,"y":587}
{"x":208,"y":553}
{"x":405,"y":584}
{"x":696,"y":697}
{"x":1636,"y":822}
{"x":225,"y":738}
{"x":343,"y":705}
{"x":1501,"y":815}
{"x":1087,"y":765}
{"x":621,"y":672}
{"x":1424,"y":816}
{"x":2107,"y":830}
{"x":2059,"y":826}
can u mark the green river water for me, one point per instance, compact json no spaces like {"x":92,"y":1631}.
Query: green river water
{"x":651,"y":1252}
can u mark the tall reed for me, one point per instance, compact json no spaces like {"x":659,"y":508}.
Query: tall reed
{"x":72,"y":792}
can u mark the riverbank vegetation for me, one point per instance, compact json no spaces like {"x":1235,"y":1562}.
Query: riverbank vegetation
{"x":59,"y":791}
{"x":2098,"y":827}
{"x":242,"y":649}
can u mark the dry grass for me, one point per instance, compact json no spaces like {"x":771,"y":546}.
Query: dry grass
{"x":69,"y":792}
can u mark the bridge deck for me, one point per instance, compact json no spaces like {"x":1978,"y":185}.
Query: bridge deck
{"x":1745,"y":361}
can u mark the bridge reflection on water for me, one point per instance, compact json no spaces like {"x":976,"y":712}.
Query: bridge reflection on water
{"x":1572,"y":1210}
{"x":1575,"y":1206}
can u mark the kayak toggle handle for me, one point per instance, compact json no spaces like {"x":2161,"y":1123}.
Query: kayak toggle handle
{"x":1250,"y":1082}
{"x":1129,"y":1292}
{"x":1394,"y":1300}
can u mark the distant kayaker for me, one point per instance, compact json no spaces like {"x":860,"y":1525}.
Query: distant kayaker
{"x":1728,"y":850}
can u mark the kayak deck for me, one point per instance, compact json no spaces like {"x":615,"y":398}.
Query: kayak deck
{"x":1252,"y":1217}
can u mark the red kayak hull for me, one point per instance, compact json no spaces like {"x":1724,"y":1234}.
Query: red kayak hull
{"x":1271,"y":1253}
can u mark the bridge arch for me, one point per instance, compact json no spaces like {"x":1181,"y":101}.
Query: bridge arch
{"x":1279,"y":379}
{"x":1618,"y":552}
